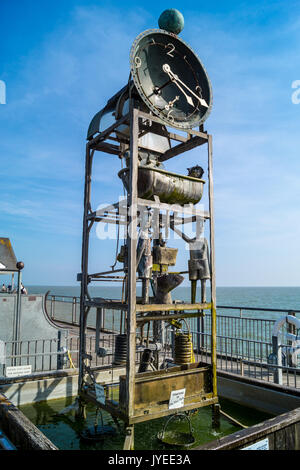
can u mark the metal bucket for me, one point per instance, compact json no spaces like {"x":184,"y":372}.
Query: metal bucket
{"x":170,"y":187}
{"x":97,"y":432}
{"x":176,"y":438}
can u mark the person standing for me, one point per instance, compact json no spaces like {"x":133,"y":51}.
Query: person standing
{"x":23,"y":290}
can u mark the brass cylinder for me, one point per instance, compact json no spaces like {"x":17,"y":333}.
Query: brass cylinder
{"x":183,"y":349}
{"x":120,"y":356}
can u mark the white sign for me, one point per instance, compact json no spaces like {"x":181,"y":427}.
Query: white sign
{"x":176,"y":399}
{"x":18,"y":371}
{"x":100,"y":394}
{"x":260,"y":445}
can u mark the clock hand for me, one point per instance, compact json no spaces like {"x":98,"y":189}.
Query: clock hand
{"x":156,"y":89}
{"x":168,"y":70}
{"x":188,"y":98}
{"x":171,"y":103}
{"x":202,"y":101}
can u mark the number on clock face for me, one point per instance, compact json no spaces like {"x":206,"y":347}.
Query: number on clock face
{"x":171,"y":48}
{"x":137,"y":61}
{"x":170,"y":79}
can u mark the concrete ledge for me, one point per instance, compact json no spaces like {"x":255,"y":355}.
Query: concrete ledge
{"x":21,"y":432}
{"x":36,"y":388}
{"x":263,"y":396}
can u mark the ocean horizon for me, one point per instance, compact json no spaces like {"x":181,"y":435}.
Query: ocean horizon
{"x":285,"y":298}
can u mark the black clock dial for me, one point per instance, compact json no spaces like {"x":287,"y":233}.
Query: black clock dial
{"x":170,"y":79}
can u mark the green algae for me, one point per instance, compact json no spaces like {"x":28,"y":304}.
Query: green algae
{"x":64,"y":430}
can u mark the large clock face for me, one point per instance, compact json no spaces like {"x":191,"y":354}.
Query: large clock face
{"x":170,"y":79}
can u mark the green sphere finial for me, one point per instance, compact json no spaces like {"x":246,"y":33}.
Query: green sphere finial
{"x":171,"y":20}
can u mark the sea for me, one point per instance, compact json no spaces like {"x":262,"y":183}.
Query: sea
{"x":281,"y":298}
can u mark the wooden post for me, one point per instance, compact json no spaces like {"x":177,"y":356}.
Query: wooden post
{"x":200,"y":320}
{"x":99,"y":319}
{"x":212,"y":268}
{"x":216,"y":418}
{"x":129,"y":438}
{"x":131,"y":244}
{"x":84,"y":267}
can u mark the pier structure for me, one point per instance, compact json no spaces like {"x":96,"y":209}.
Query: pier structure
{"x":162,"y":376}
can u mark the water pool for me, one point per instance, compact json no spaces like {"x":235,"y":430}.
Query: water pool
{"x":64,"y":431}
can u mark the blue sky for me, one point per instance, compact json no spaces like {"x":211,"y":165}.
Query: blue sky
{"x":62,"y":60}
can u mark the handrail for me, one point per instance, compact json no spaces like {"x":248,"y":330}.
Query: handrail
{"x":231,"y":307}
{"x":263,"y":309}
{"x":62,"y":296}
{"x":45,"y":304}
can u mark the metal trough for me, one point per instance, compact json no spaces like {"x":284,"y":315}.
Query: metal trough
{"x":153,"y":390}
{"x":170,"y":187}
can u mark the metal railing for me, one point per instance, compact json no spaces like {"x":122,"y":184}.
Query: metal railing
{"x":40,"y":354}
{"x":44,"y":355}
{"x":63,"y":308}
{"x":67,"y":309}
{"x":244,"y":341}
{"x":244,"y":345}
{"x":249,"y":359}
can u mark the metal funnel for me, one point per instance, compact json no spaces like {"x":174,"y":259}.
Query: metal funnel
{"x":165,"y":284}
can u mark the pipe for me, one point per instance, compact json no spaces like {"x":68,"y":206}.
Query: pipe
{"x":233,"y":420}
{"x":5,"y":443}
{"x":18,"y":318}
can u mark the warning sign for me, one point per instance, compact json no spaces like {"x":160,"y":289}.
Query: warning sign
{"x":176,"y":399}
{"x":18,"y":371}
{"x":260,"y":445}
